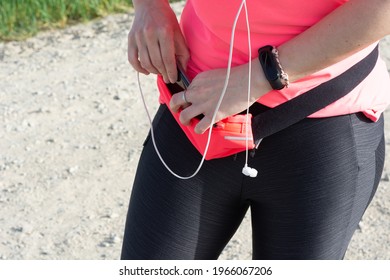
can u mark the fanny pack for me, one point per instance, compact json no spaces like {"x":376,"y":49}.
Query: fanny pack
{"x":229,"y":135}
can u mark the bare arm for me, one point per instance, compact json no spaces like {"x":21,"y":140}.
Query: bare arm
{"x":348,"y":29}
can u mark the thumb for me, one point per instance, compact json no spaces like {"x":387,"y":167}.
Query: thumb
{"x":182,"y":53}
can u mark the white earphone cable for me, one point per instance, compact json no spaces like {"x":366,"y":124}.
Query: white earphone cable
{"x":218,"y":104}
{"x":249,"y":82}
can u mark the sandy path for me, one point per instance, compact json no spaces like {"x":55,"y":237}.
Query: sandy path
{"x":71,"y":130}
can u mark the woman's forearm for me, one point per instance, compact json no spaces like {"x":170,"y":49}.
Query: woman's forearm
{"x":350,"y":28}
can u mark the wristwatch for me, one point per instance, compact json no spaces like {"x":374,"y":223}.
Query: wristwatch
{"x":273,"y":71}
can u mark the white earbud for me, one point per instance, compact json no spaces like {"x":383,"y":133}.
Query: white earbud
{"x":249,"y":171}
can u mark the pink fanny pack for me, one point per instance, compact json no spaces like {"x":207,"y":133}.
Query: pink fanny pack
{"x":227,"y":137}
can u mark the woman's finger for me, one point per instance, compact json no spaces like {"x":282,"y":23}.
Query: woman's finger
{"x":179,"y":101}
{"x":133,"y":57}
{"x":169,"y":61}
{"x":154,"y":46}
{"x":203,"y":125}
{"x":144,"y":55}
{"x":189,"y":113}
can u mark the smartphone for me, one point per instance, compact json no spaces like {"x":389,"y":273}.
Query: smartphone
{"x":182,"y":82}
{"x":182,"y":77}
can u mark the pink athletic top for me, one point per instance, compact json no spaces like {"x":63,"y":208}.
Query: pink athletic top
{"x":207,"y":25}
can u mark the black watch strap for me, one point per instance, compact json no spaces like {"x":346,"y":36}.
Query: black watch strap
{"x":272,"y":70}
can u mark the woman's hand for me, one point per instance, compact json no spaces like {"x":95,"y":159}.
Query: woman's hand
{"x":205,"y":90}
{"x":155,"y":40}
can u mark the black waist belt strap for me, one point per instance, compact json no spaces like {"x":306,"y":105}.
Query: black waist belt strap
{"x":298,"y":108}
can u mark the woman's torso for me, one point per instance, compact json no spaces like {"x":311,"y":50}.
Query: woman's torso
{"x":207,"y":26}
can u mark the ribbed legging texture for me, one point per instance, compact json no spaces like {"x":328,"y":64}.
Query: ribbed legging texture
{"x":315,"y":181}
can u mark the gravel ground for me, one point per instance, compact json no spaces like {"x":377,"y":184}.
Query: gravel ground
{"x":71,"y":130}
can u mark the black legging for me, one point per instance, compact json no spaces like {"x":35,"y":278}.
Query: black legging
{"x":316,"y":179}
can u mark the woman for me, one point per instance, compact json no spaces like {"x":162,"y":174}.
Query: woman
{"x":316,"y":177}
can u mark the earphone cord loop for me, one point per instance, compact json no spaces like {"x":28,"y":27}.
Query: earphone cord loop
{"x":217,"y":106}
